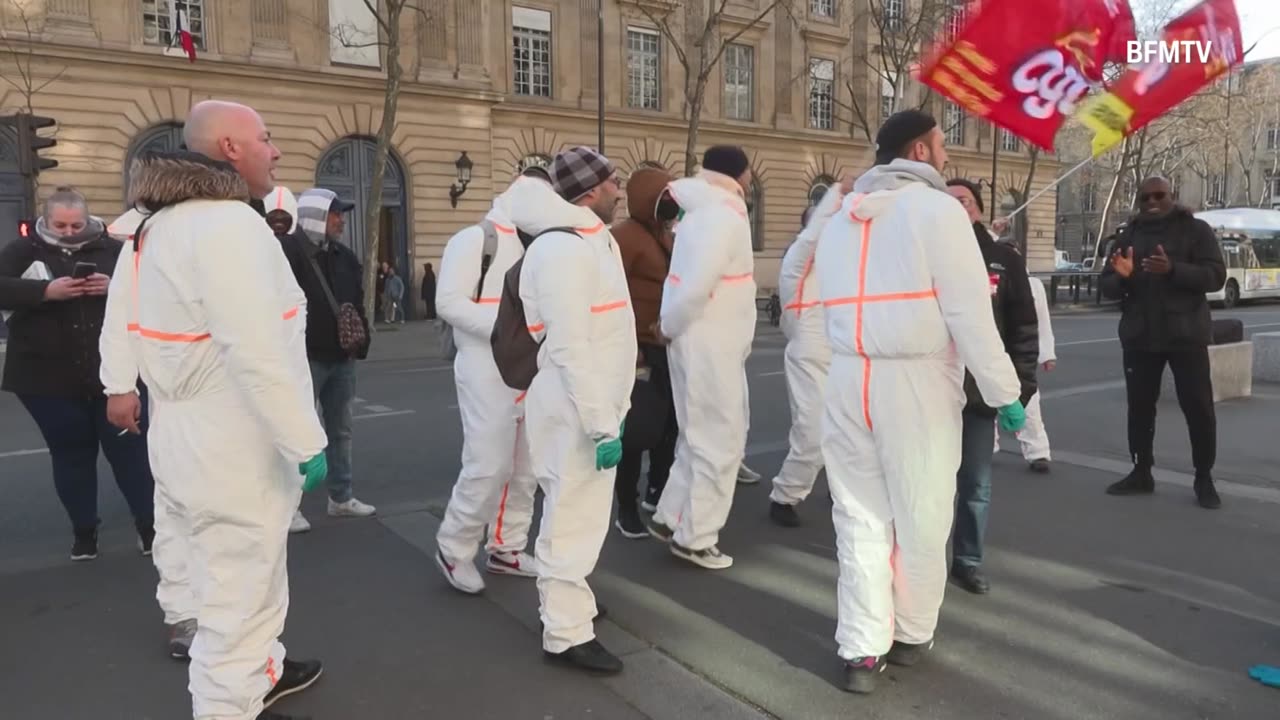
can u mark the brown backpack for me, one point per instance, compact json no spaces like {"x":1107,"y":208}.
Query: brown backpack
{"x":514,"y":350}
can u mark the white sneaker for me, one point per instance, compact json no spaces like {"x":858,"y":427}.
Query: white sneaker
{"x":299,"y":524}
{"x":519,"y":564}
{"x":350,"y":508}
{"x":710,"y":558}
{"x":747,"y":476}
{"x":462,"y":576}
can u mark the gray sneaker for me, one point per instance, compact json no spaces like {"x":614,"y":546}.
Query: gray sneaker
{"x":180,"y":636}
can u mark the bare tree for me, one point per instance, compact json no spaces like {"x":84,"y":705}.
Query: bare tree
{"x":387,"y":15}
{"x":1018,"y":187}
{"x":18,"y":53}
{"x":698,"y":36}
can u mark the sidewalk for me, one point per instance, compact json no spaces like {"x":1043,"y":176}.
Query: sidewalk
{"x":86,"y":641}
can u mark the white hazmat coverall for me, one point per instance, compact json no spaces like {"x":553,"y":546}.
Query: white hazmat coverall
{"x":908,"y":307}
{"x":282,"y":198}
{"x":577,"y":305}
{"x":170,"y":552}
{"x":496,"y":485}
{"x":709,"y":313}
{"x":1033,"y":439}
{"x":218,"y":331}
{"x":806,"y":357}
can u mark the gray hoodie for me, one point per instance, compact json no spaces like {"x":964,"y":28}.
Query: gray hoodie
{"x":313,"y":214}
{"x":898,"y":174}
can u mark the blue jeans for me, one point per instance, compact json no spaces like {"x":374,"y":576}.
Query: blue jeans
{"x":74,"y":429}
{"x":973,"y":490}
{"x":335,"y":388}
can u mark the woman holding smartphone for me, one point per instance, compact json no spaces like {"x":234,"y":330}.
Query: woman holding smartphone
{"x":53,"y":289}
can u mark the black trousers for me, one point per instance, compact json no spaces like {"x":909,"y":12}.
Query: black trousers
{"x":1143,"y":372}
{"x":626,"y":483}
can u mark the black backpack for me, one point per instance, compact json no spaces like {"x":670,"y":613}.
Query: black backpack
{"x":515,"y":352}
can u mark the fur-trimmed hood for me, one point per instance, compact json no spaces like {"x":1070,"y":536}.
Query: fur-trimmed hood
{"x":160,"y":179}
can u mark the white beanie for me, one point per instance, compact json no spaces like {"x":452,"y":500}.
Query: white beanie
{"x":281,"y":198}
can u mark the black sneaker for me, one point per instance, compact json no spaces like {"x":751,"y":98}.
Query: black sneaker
{"x":651,"y":498}
{"x":905,"y":654}
{"x":85,"y":546}
{"x":1206,"y":493}
{"x":660,"y":531}
{"x":784,"y":515}
{"x":146,"y":537}
{"x":297,"y":676}
{"x":860,"y":674}
{"x":590,"y":657}
{"x":630,"y":524}
{"x":1138,"y":482}
{"x":970,"y":579}
{"x":1040,"y":466}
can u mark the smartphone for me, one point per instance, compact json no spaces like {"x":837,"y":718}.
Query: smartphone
{"x":84,"y":270}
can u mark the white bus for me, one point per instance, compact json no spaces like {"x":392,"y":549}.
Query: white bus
{"x":1250,"y":240}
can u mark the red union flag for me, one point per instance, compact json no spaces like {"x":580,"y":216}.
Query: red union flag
{"x":1024,"y":65}
{"x":1145,"y":92}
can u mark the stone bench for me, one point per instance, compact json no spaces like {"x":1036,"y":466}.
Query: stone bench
{"x":1266,"y":356}
{"x":1230,"y":367}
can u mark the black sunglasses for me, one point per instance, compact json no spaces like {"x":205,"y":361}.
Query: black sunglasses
{"x":1157,"y":196}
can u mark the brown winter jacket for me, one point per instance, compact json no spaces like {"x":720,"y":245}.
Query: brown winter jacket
{"x":646,"y":248}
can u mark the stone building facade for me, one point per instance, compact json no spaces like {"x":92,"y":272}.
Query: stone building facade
{"x":508,"y":82}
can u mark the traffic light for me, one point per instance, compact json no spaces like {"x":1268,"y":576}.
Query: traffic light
{"x":24,"y":228}
{"x":30,"y":144}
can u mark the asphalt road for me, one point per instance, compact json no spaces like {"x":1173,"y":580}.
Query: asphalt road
{"x":1101,"y":607}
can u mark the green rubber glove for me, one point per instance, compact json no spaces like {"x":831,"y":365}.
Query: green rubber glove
{"x":313,"y":472}
{"x":1013,"y":417}
{"x":608,"y":453}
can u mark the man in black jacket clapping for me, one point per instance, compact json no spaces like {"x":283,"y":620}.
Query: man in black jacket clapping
{"x":1160,"y":269}
{"x":1015,"y":316}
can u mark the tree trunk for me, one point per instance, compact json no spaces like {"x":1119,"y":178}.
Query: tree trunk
{"x":695,"y":116}
{"x":1111,"y":196}
{"x":373,"y":208}
{"x":1023,"y":227}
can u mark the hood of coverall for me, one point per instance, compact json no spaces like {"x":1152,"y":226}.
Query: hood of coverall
{"x":705,"y":189}
{"x":160,"y":179}
{"x":880,"y":185}
{"x":282,"y":198}
{"x":533,"y":207}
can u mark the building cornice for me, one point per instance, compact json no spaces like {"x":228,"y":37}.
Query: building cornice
{"x":323,"y":76}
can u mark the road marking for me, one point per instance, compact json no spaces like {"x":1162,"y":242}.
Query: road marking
{"x":383,"y":414}
{"x":1112,"y":339}
{"x":1082,"y":389}
{"x":378,"y":408}
{"x":17,"y":453}
{"x":433,"y":368}
{"x":1170,"y":477}
{"x":771,"y":374}
{"x":388,"y":413}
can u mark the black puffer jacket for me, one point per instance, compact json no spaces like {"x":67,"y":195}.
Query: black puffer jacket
{"x":1015,"y":311}
{"x":53,"y":345}
{"x":345,"y":276}
{"x":1170,"y":312}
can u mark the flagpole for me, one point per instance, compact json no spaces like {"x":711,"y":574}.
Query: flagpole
{"x":1051,"y":185}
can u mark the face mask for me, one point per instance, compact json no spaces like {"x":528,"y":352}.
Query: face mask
{"x":667,"y":210}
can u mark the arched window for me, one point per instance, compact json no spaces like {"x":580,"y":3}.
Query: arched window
{"x":755,"y":213}
{"x":165,"y":137}
{"x":818,"y":188}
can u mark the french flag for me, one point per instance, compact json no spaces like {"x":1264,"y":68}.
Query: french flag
{"x":182,"y":31}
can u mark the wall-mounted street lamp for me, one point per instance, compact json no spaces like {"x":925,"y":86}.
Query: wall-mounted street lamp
{"x":456,"y":190}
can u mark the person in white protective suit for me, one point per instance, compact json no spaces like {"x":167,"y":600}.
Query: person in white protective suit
{"x":805,"y":361}
{"x":907,"y":308}
{"x":281,"y":207}
{"x":577,"y":305}
{"x":709,"y":317}
{"x":215,"y":325}
{"x":1033,"y":440}
{"x":496,"y":485}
